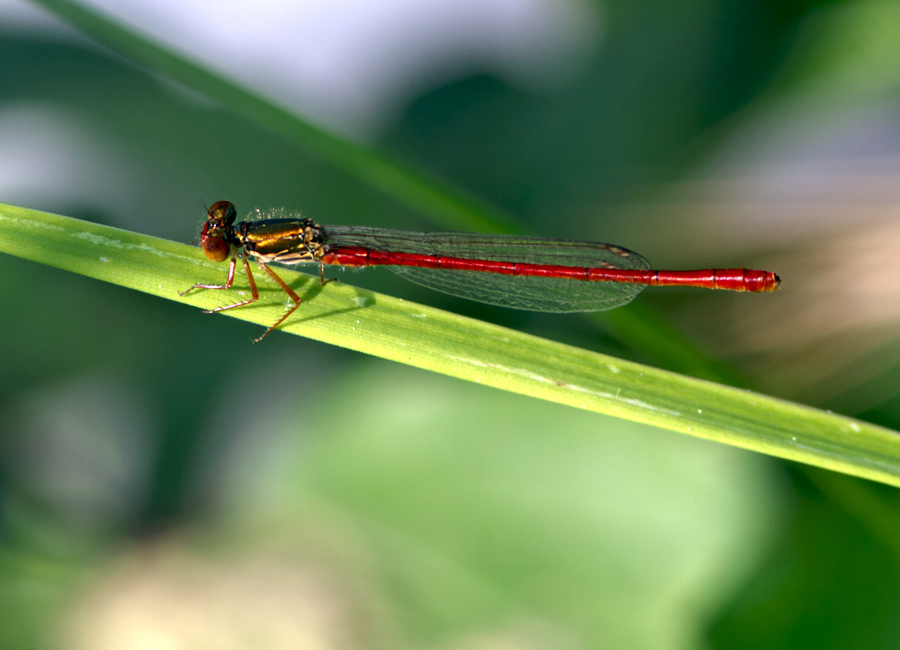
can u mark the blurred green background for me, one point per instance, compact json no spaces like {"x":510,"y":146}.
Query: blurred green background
{"x":165,"y":483}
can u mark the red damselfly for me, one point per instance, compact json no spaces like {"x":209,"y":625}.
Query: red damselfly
{"x":529,"y":273}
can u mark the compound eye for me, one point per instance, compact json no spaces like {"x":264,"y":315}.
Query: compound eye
{"x":215,"y":248}
{"x":222,"y":210}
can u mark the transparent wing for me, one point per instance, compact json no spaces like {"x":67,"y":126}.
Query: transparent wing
{"x":530,"y":293}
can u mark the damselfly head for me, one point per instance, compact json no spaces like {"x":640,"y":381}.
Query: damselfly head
{"x":216,"y":233}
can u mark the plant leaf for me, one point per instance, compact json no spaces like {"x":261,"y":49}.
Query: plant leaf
{"x":462,"y":347}
{"x":450,"y":206}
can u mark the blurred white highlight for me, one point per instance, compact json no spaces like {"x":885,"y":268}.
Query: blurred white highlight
{"x":349,"y":65}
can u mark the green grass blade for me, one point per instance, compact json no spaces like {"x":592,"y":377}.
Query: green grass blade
{"x":445,"y":204}
{"x":461,"y":347}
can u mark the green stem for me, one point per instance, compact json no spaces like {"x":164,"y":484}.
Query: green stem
{"x":462,"y":347}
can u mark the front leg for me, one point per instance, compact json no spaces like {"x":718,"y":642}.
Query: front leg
{"x":227,"y":284}
{"x":253,"y":290}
